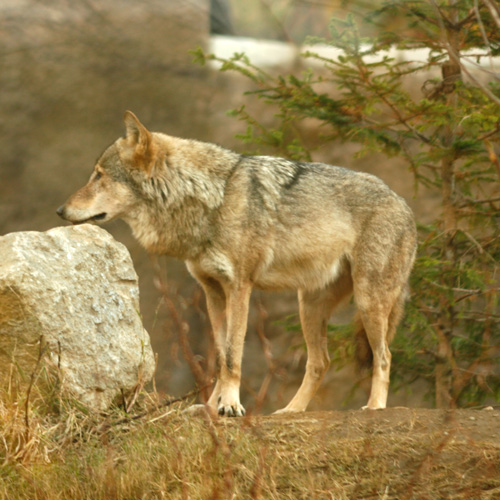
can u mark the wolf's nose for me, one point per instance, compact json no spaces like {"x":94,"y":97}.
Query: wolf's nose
{"x":60,"y":211}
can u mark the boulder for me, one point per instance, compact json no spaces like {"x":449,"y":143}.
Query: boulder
{"x":69,"y":298}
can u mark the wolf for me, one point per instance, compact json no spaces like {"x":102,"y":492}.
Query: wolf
{"x":243,"y":222}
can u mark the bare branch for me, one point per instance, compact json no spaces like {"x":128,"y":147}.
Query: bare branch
{"x":456,"y":58}
{"x":491,"y":133}
{"x":41,"y":352}
{"x":494,"y":10}
{"x":481,"y":86}
{"x":483,"y":32}
{"x":169,"y":402}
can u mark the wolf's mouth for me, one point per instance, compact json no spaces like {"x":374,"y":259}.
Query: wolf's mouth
{"x":94,"y":218}
{"x":99,"y":216}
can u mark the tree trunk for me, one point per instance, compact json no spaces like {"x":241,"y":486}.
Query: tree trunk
{"x":445,"y":365}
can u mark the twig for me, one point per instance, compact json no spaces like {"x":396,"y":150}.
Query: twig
{"x":41,"y":352}
{"x":266,"y":348}
{"x":182,"y":329}
{"x":163,"y":415}
{"x":165,"y":404}
{"x":483,"y":32}
{"x":137,"y":390}
{"x":494,"y":10}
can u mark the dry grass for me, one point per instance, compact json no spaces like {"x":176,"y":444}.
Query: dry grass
{"x":65,"y":452}
{"x":52,"y":448}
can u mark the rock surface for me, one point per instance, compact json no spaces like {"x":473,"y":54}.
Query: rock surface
{"x":72,"y":293}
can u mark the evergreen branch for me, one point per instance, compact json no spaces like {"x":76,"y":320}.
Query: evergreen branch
{"x":491,"y":133}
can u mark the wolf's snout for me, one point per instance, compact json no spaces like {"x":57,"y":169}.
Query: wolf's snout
{"x":78,"y":216}
{"x":60,"y":211}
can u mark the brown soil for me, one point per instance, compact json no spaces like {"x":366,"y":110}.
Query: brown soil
{"x":397,"y":453}
{"x":452,"y":426}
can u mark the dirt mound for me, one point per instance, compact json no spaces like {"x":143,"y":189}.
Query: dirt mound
{"x":164,"y":451}
{"x":450,"y":426}
{"x":397,"y":453}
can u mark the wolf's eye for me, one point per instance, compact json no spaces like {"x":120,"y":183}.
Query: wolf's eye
{"x":98,"y":175}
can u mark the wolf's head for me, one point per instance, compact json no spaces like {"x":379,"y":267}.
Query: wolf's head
{"x":110,"y":192}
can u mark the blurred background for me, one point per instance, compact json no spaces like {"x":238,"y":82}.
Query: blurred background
{"x":69,"y":70}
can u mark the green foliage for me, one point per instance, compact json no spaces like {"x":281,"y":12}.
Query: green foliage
{"x":446,"y":133}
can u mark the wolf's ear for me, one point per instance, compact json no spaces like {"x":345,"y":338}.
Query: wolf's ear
{"x":139,"y":138}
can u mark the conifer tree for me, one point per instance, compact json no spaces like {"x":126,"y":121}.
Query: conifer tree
{"x":448,"y":134}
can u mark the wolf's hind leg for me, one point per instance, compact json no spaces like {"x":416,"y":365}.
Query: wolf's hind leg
{"x":380,"y":320}
{"x":376,"y":326}
{"x":315,"y":309}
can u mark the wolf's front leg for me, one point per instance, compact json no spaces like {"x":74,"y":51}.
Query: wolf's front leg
{"x":216,"y":307}
{"x":228,"y":310}
{"x":230,"y":356}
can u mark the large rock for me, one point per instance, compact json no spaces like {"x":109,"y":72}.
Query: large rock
{"x":71,"y":293}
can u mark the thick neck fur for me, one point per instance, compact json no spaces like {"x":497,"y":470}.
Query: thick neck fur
{"x":176,"y":207}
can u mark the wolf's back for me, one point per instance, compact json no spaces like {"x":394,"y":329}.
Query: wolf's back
{"x":276,"y":183}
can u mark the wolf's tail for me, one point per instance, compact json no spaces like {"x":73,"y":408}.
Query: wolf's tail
{"x":363,"y":351}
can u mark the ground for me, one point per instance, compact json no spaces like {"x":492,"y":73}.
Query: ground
{"x":453,"y":426}
{"x":162,"y":450}
{"x":394,"y":453}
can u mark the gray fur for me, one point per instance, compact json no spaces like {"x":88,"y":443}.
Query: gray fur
{"x":244,"y":222}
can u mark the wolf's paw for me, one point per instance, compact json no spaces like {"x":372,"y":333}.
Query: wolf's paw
{"x":363,"y":408}
{"x":234,"y":410}
{"x":285,"y":410}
